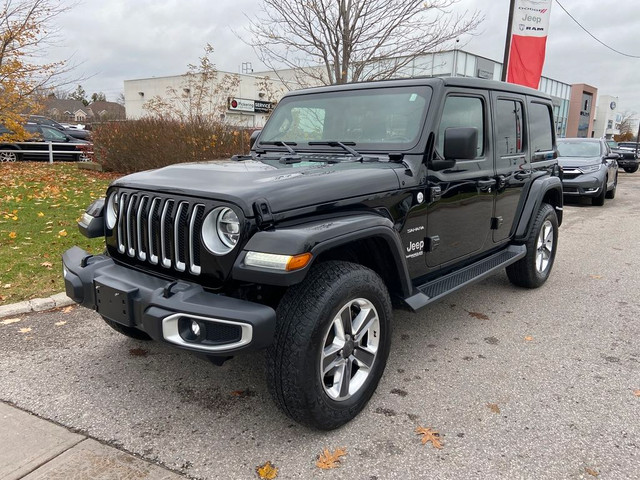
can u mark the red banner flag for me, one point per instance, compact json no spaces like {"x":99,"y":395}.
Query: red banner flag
{"x":528,"y":41}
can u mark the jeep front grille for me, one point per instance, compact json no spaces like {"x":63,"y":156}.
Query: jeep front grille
{"x":159,"y":230}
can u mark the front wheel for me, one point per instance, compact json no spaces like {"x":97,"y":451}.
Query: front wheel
{"x":9,"y":156}
{"x":331,"y":344}
{"x":633,"y":169}
{"x":611,"y":194}
{"x":534,"y":269}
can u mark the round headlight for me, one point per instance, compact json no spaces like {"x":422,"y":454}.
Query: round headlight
{"x":111,"y":214}
{"x":221,"y":230}
{"x":228,"y":227}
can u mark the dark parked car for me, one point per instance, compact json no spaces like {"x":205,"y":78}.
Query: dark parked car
{"x":589,"y":168}
{"x":73,"y":132}
{"x":628,"y":156}
{"x":65,"y":147}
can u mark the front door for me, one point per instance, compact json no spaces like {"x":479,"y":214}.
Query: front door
{"x":462,"y":197}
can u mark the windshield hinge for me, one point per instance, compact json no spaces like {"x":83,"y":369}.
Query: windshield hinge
{"x":264,"y":217}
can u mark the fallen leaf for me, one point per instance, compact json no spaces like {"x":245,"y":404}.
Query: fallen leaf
{"x":9,"y":321}
{"x":138,"y":352}
{"x":479,"y":316}
{"x":636,"y":393}
{"x":13,"y":234}
{"x":267,"y":471}
{"x":47,"y":265}
{"x":493,"y":407}
{"x":6,"y":285}
{"x":62,"y":233}
{"x":429,"y":435}
{"x":40,"y":214}
{"x":59,"y":324}
{"x":592,"y":472}
{"x":595,"y":277}
{"x":327,"y":460}
{"x":528,"y":338}
{"x":67,"y":309}
{"x":25,"y":330}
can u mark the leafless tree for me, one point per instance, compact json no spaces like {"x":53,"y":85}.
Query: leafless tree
{"x":339,"y":41}
{"x":625,"y":126}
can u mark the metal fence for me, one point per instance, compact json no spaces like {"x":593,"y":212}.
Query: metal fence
{"x":83,"y":155}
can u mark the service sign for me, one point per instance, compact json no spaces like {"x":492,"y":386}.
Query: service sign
{"x":246,"y":105}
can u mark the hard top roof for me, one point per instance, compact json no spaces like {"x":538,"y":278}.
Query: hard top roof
{"x":435,"y":82}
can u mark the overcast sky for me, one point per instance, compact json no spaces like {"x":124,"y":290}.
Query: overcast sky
{"x":119,"y":40}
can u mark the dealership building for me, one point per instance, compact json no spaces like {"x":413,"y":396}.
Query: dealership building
{"x":249,"y":104}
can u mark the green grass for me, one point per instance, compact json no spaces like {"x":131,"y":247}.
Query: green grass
{"x":40,"y":204}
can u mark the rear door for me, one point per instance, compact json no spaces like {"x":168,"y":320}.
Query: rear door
{"x":512,"y":160}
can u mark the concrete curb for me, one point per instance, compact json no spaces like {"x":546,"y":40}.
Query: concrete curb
{"x":36,"y":305}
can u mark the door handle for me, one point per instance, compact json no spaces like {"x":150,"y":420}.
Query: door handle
{"x":486,"y":184}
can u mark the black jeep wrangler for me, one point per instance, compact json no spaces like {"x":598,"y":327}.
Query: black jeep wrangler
{"x":628,"y":155}
{"x":352,"y":196}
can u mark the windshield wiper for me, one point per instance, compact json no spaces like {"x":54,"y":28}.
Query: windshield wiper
{"x":343,"y":145}
{"x":287,"y":159}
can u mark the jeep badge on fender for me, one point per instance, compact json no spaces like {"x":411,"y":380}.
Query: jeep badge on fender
{"x":352,"y":195}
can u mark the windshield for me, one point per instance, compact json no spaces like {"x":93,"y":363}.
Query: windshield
{"x":612,"y":143}
{"x":367,"y":118}
{"x":578,"y":149}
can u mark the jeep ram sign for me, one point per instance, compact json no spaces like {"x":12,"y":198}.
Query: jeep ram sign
{"x":528,"y":41}
{"x":245,"y":105}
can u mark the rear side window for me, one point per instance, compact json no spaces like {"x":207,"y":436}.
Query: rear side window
{"x":540,"y":127}
{"x":462,"y":112}
{"x":509,"y":138}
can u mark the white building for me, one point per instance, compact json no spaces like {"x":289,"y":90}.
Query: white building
{"x":247,"y":104}
{"x":606,"y":123}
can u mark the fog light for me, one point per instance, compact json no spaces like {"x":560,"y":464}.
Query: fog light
{"x":191,"y":330}
{"x":195,"y":328}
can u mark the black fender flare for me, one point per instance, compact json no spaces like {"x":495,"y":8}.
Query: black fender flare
{"x":538,"y":191}
{"x":317,"y":237}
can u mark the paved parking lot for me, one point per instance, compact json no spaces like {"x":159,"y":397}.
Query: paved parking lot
{"x":521,"y":384}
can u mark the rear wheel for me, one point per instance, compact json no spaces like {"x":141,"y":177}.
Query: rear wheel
{"x":127,"y":331}
{"x":534,"y":269}
{"x":331,"y":344}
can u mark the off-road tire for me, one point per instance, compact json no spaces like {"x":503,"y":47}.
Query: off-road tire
{"x":127,"y":331}
{"x":525,"y":272}
{"x":633,"y":169}
{"x":611,"y":194}
{"x":305,"y":317}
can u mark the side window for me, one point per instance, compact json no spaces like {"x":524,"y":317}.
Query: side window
{"x":462,"y":112}
{"x":509,"y":138}
{"x":540,"y":127}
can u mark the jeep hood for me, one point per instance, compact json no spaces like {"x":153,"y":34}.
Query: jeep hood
{"x":285,"y":187}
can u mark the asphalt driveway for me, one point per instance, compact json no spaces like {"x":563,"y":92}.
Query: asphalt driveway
{"x":520,"y":383}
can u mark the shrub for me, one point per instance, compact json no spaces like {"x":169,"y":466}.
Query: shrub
{"x":136,"y":145}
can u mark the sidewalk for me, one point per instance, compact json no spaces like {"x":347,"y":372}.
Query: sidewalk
{"x":33,"y":448}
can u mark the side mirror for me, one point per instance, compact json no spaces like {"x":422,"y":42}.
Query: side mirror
{"x":254,"y":137}
{"x":460,"y":143}
{"x":612,"y":156}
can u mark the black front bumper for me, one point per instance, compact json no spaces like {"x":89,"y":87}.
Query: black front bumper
{"x":160,"y":307}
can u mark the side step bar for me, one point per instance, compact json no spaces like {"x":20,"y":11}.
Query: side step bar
{"x":438,"y":288}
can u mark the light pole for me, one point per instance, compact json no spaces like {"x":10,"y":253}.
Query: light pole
{"x":507,"y":42}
